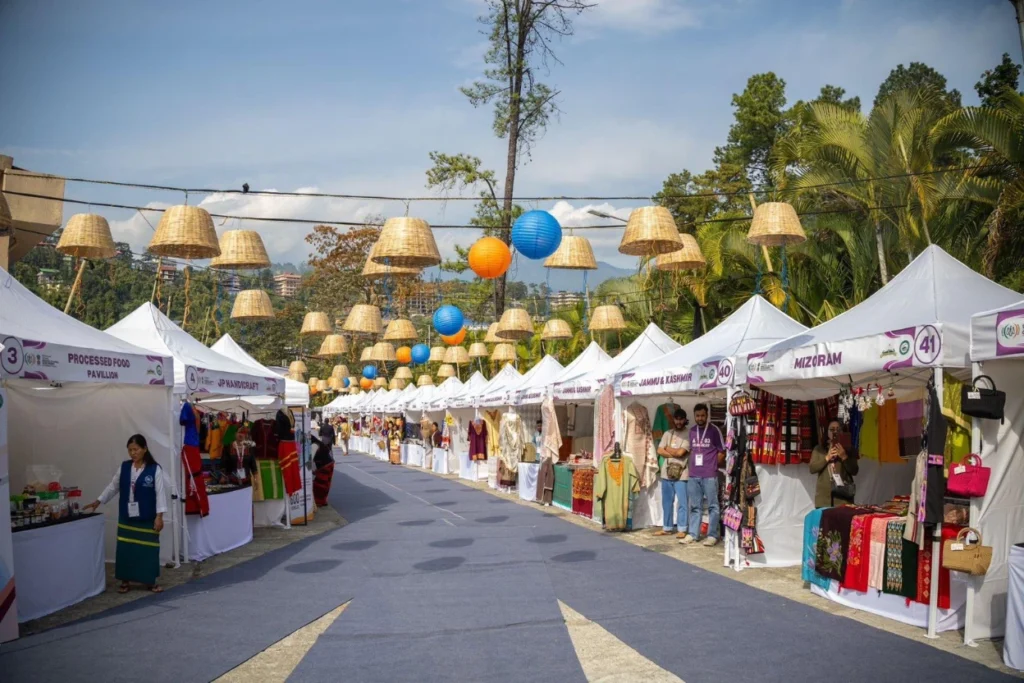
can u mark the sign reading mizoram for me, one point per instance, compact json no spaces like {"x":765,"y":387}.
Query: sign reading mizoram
{"x":44,"y":361}
{"x":920,"y":346}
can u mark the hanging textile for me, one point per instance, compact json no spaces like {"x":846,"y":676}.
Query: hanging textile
{"x":512,"y":441}
{"x":477,"y":437}
{"x":492,"y":418}
{"x":639,"y":444}
{"x":910,"y":420}
{"x":546,"y":481}
{"x":868,"y":444}
{"x":551,"y":439}
{"x":876,"y":552}
{"x":616,"y":484}
{"x":834,"y":540}
{"x":662,"y":420}
{"x":604,"y":434}
{"x":583,"y":491}
{"x":825,"y":410}
{"x":808,"y":570}
{"x":889,"y":433}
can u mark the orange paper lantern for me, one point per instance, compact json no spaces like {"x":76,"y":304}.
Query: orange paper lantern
{"x":403,"y":354}
{"x":489,"y":257}
{"x":454,"y":339}
{"x":366,"y":383}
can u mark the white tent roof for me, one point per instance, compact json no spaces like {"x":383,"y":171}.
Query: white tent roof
{"x":921,"y":319}
{"x":651,"y":343}
{"x":469,"y":388}
{"x":448,"y":388}
{"x":469,"y":397}
{"x":422,"y":398}
{"x":296,"y":394}
{"x":705,"y":363}
{"x":403,"y":399}
{"x":503,"y":395}
{"x":592,"y":357}
{"x":197,"y":369}
{"x":998,"y":333}
{"x":42,"y":343}
{"x":338,"y":405}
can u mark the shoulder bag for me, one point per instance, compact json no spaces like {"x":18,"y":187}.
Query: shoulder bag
{"x":987,"y":404}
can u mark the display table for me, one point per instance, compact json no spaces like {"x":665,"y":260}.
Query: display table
{"x":1013,"y":645}
{"x":440,"y":464}
{"x":528,"y":473}
{"x":228,"y":526}
{"x":472,"y":470}
{"x":562,"y":495}
{"x":415,"y":455}
{"x":899,"y":608}
{"x":58,"y":566}
{"x":268,"y":513}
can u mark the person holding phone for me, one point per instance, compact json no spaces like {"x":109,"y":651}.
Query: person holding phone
{"x":836,"y":467}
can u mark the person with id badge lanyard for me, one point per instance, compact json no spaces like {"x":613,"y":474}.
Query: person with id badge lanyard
{"x":836,"y":467}
{"x":707,"y":448}
{"x":141,"y":490}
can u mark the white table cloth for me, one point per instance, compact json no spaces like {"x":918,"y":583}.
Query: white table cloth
{"x":403,"y":453}
{"x":528,"y":473}
{"x":415,"y":455}
{"x":897,"y":608}
{"x":228,"y":526}
{"x":473,"y":470}
{"x":440,"y":464}
{"x":268,"y":513}
{"x":1013,"y":645}
{"x":58,"y":566}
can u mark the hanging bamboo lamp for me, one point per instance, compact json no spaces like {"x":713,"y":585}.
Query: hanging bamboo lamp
{"x":315,"y":322}
{"x":492,"y":335}
{"x":446,"y":371}
{"x":363,"y":319}
{"x":86,"y":236}
{"x":297,"y":367}
{"x":185,"y":232}
{"x":353,"y":382}
{"x":365,"y":354}
{"x":556,"y":328}
{"x":515,"y":323}
{"x":383,"y":352}
{"x":403,"y":372}
{"x":573,"y":253}
{"x":437,"y":354}
{"x":689,"y":257}
{"x":396,"y":383}
{"x":375,"y":271}
{"x":478,"y":350}
{"x":295,"y":377}
{"x":335,"y":383}
{"x":456,"y":355}
{"x":650,"y":231}
{"x":400,"y":329}
{"x":424,"y":381}
{"x":380,"y":382}
{"x":334,"y":345}
{"x":408,"y":243}
{"x":607,"y":318}
{"x":241,"y":250}
{"x":504,"y":353}
{"x":313,"y":382}
{"x":775,"y":224}
{"x":252,"y":304}
{"x":353,"y":389}
{"x":339,"y":371}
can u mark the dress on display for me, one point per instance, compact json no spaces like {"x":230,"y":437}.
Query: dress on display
{"x":512,"y":442}
{"x":604,"y":429}
{"x":196,"y":502}
{"x":551,"y":437}
{"x":615,"y":485}
{"x":637,"y":442}
{"x":477,"y":440}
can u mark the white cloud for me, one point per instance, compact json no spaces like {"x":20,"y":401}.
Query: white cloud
{"x":643,"y":16}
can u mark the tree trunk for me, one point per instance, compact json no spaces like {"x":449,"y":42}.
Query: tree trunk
{"x":883,"y":268}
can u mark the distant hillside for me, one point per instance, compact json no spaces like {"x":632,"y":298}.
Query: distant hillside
{"x":534,"y":272}
{"x":301,"y":269}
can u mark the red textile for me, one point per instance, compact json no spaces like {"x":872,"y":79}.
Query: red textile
{"x":196,"y":502}
{"x":858,"y":560}
{"x":924,"y":570}
{"x":288,"y":459}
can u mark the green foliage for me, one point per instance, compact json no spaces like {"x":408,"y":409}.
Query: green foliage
{"x":918,"y":76}
{"x":994,"y":82}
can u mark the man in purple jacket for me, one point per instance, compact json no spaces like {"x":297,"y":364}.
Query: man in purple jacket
{"x":706,"y":448}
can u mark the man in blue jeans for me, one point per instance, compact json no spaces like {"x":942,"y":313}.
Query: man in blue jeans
{"x":706,"y":448}
{"x":674,"y":449}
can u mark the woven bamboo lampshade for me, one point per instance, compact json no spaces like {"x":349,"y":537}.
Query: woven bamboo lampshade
{"x":363,"y":319}
{"x":504,"y":353}
{"x":332,"y":346}
{"x":400,"y":329}
{"x":478,"y":350}
{"x":6,"y":220}
{"x":492,"y":335}
{"x":375,"y":271}
{"x":689,"y":257}
{"x":383,"y":352}
{"x":297,"y":367}
{"x":556,"y":329}
{"x":295,"y":377}
{"x":437,"y":354}
{"x":515,"y":323}
{"x":313,"y":382}
{"x":353,"y":389}
{"x":241,"y":250}
{"x":185,"y":232}
{"x":381,"y":382}
{"x":607,"y":318}
{"x":252,"y":304}
{"x":365,"y":354}
{"x":86,"y":236}
{"x":651,"y":230}
{"x":775,"y":224}
{"x":424,"y":381}
{"x":315,"y":322}
{"x":456,"y":355}
{"x":353,"y":382}
{"x":574,"y":253}
{"x":340,"y":371}
{"x":403,"y":372}
{"x":407,"y":243}
{"x":335,"y":383}
{"x":396,"y":383}
{"x":446,"y":371}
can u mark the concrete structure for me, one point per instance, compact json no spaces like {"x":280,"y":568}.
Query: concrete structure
{"x":287,"y":284}
{"x":35,"y":217}
{"x":565,"y":299}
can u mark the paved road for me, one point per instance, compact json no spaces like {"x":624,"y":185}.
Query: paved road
{"x":448,"y":583}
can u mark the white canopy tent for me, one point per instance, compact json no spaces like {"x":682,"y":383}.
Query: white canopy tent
{"x":470,"y":387}
{"x":503,"y":394}
{"x":448,"y":388}
{"x":422,"y":398}
{"x":470,"y":395}
{"x":296,"y":394}
{"x":99,"y":389}
{"x":590,"y":360}
{"x":997,"y":350}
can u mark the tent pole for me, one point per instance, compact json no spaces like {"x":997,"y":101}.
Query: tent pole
{"x":933,"y":600}
{"x":972,"y":581}
{"x":74,"y":287}
{"x":175,"y":496}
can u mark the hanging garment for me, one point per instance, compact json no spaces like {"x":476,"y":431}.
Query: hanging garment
{"x":583,"y":491}
{"x":924,"y":570}
{"x":615,"y":485}
{"x":551,"y":438}
{"x":188,"y":418}
{"x":477,"y":440}
{"x":271,"y":483}
{"x":604,"y":432}
{"x":639,"y":444}
{"x":663,"y":419}
{"x":493,"y":420}
{"x":562,"y":495}
{"x":859,"y":557}
{"x":900,"y":561}
{"x":546,"y":481}
{"x":825,"y":410}
{"x":512,"y":442}
{"x":808,"y":570}
{"x":215,"y":439}
{"x":196,"y":502}
{"x":265,"y":437}
{"x":876,"y":552}
{"x":834,"y":540}
{"x":889,"y":433}
{"x":910,"y":420}
{"x":867,"y":445}
{"x":288,"y":459}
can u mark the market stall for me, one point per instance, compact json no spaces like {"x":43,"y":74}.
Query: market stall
{"x":457,"y":422}
{"x":415,"y":449}
{"x":201,"y":373}
{"x":436,"y":410}
{"x":464,"y":407}
{"x":100,"y":390}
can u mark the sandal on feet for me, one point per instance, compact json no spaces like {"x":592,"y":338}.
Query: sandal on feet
{"x":124,"y":587}
{"x":155,"y":589}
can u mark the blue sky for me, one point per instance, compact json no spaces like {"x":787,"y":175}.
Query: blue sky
{"x":352,"y":96}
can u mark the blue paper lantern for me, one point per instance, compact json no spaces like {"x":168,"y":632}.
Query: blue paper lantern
{"x":448,"y":320}
{"x":345,"y":381}
{"x":536,"y":234}
{"x":370,"y":371}
{"x":420,"y":354}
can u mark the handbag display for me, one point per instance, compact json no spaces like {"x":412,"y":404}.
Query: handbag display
{"x":752,"y":487}
{"x":733,"y":517}
{"x":969,"y":478}
{"x":987,"y":404}
{"x":742,"y":404}
{"x":970,"y":558}
{"x":750,"y":516}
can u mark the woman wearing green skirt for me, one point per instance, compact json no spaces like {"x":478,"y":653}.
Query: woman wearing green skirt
{"x":139,"y":486}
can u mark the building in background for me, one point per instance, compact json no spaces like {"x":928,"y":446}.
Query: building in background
{"x":565,"y":299}
{"x":287,"y":284}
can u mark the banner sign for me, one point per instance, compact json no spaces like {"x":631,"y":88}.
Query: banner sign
{"x":1010,"y":332}
{"x":203,"y":381}
{"x":27,"y":359}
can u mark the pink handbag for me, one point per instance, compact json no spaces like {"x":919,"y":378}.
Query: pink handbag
{"x":969,"y":478}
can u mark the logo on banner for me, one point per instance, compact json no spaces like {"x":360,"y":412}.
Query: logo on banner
{"x":191,"y":378}
{"x":1010,"y":333}
{"x":12,"y":358}
{"x":724,"y":372}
